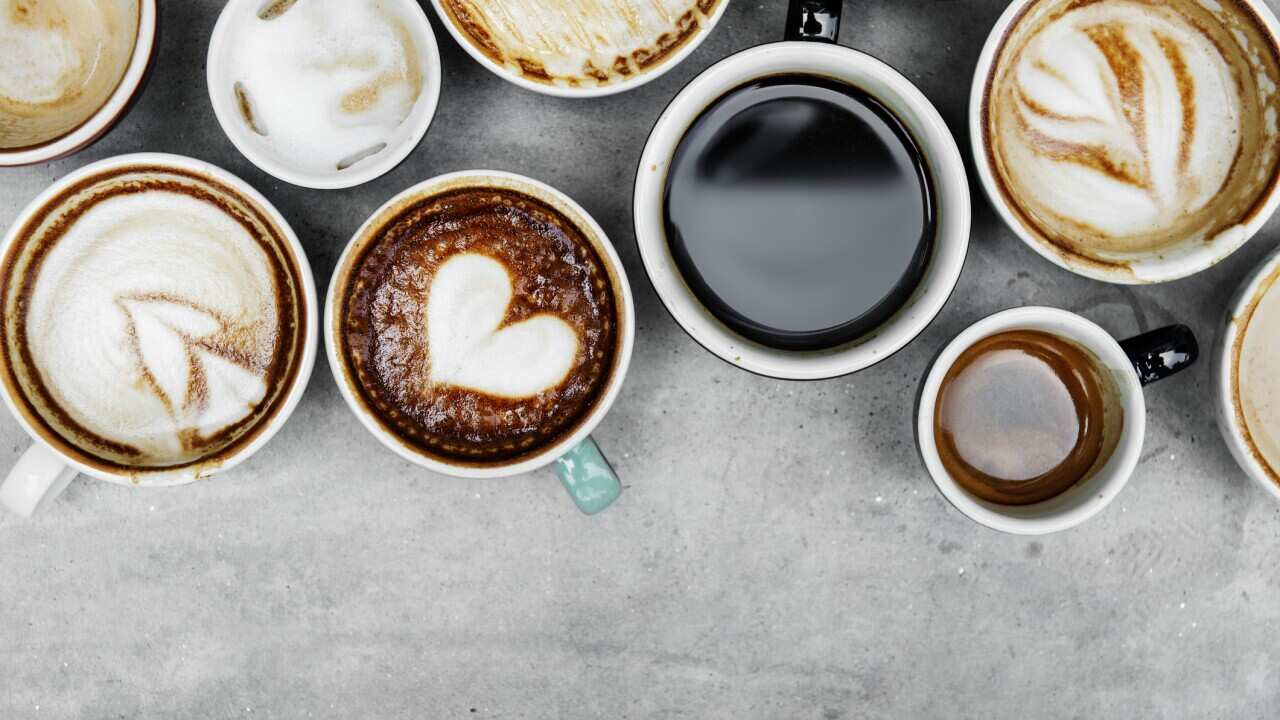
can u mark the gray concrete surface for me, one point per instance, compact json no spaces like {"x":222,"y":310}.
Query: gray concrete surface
{"x":779,"y":552}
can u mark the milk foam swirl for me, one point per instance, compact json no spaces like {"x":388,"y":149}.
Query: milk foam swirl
{"x":1121,"y":126}
{"x":153,"y":322}
{"x":59,"y":62}
{"x":579,"y":41}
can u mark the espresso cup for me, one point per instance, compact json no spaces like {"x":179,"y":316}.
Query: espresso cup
{"x":1123,"y":368}
{"x":159,"y":326}
{"x":325,"y":94}
{"x":78,"y":67}
{"x":480,"y":325}
{"x":809,"y":55}
{"x":1244,"y":355}
{"x":579,"y":50}
{"x":1130,"y":142}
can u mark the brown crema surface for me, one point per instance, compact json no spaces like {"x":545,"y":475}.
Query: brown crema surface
{"x":554,"y":269}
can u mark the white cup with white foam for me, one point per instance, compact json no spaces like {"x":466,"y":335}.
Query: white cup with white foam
{"x":1127,"y":141}
{"x":324,"y":94}
{"x":159,"y":326}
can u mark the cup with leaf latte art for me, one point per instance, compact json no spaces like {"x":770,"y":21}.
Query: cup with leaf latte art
{"x":1129,"y":140}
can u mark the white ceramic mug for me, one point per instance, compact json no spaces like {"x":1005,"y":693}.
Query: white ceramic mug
{"x":812,"y":25}
{"x":582,"y":468}
{"x":51,"y":462}
{"x":405,"y":139}
{"x":1170,"y":263}
{"x":1226,"y":375}
{"x":1129,"y":366}
{"x":117,"y":104}
{"x":581,"y":91}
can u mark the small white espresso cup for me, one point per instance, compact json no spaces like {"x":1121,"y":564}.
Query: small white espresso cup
{"x":1226,"y":374}
{"x":812,"y":28}
{"x":401,"y":143}
{"x":50,"y":464}
{"x":117,"y":104}
{"x":1185,"y":258}
{"x":1128,"y":366}
{"x":583,"y":469}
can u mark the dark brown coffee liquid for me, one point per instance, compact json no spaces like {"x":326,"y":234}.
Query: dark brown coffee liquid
{"x":1019,"y":418}
{"x":800,"y":212}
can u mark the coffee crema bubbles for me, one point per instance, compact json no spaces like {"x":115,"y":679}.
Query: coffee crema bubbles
{"x":478,"y":325}
{"x":1123,"y":127}
{"x":325,"y":84}
{"x":580,"y":42}
{"x":60,"y":61}
{"x":152,"y":318}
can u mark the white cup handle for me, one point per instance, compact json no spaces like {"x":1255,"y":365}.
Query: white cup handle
{"x":40,"y":476}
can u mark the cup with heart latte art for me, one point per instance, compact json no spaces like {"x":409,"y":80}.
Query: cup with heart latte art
{"x":159,"y":326}
{"x":480,"y":324}
{"x":1130,"y":141}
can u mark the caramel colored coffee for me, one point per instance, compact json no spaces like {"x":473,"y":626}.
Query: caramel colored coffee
{"x":1020,"y":417}
{"x":479,"y":325}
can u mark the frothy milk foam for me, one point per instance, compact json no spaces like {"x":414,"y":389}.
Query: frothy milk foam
{"x":1121,"y":126}
{"x":469,"y":348}
{"x":152,"y":323}
{"x":1259,"y":377}
{"x":325,"y":83}
{"x":60,"y":60}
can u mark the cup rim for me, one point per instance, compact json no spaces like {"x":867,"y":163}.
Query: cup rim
{"x":1124,"y":459}
{"x":602,"y":244}
{"x":387,"y":160}
{"x":1226,"y":372}
{"x":145,"y":48}
{"x":584,"y":91}
{"x":1163,"y":267}
{"x":169,"y":477}
{"x":942,"y":156}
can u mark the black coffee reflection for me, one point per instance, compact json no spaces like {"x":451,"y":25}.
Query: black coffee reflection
{"x":800,"y":212}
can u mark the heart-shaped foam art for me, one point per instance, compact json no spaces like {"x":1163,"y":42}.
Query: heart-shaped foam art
{"x":470,"y":348}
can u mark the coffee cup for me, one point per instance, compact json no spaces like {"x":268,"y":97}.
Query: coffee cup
{"x":989,"y":430}
{"x":724,"y":293}
{"x":77,"y":67}
{"x":159,"y":326}
{"x":324,"y":94}
{"x":480,"y":325}
{"x":1244,"y":356}
{"x":1130,"y":142}
{"x":579,"y":50}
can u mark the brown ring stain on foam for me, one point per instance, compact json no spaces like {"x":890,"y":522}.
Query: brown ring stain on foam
{"x":580,"y":42}
{"x":1241,"y":323}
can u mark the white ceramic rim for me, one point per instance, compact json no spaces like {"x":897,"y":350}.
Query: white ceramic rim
{"x":107,"y":115}
{"x":384,"y":162}
{"x":1080,"y":503}
{"x":586,"y":91}
{"x":1224,"y":372}
{"x":929,"y":130}
{"x":549,"y":454}
{"x":182,"y":476}
{"x":1170,"y":264}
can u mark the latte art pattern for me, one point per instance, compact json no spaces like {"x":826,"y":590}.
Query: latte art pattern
{"x":154,"y":325}
{"x":60,"y":60}
{"x":1122,"y":126}
{"x":580,"y":42}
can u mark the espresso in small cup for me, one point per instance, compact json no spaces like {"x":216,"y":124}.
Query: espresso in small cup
{"x":1024,"y":415}
{"x":479,"y":325}
{"x":800,"y":211}
{"x":1131,"y":140}
{"x":60,"y":61}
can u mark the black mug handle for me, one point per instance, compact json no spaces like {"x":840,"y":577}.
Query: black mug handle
{"x":816,"y":20}
{"x":1160,"y":353}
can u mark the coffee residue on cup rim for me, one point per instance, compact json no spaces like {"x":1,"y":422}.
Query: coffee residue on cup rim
{"x":1241,"y":324}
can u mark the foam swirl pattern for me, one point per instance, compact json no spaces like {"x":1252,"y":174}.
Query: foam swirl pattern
{"x":580,"y":42}
{"x":1120,"y":127}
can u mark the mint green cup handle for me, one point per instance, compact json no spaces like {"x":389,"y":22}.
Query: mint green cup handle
{"x":588,"y":477}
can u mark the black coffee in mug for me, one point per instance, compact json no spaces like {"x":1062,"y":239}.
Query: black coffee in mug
{"x":800,"y":211}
